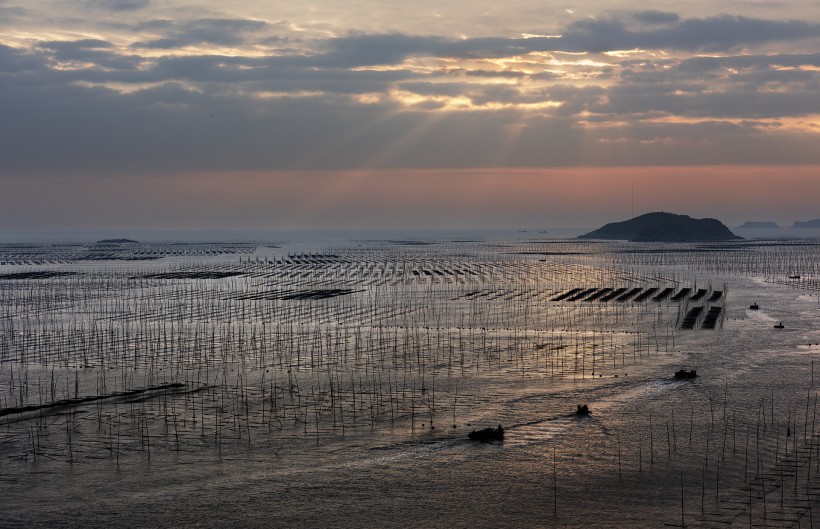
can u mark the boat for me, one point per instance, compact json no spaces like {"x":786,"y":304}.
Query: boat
{"x":582,"y":411}
{"x":754,"y":306}
{"x":487,"y":434}
{"x":685,"y":375}
{"x":794,"y":277}
{"x":779,"y":325}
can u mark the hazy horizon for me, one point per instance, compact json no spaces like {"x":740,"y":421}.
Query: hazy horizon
{"x":325,"y":237}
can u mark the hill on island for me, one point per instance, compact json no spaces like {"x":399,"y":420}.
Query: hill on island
{"x":116,"y":241}
{"x":758,"y":224}
{"x":807,"y":224}
{"x":664,"y":227}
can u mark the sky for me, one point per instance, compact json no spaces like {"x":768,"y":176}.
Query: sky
{"x":339,"y":114}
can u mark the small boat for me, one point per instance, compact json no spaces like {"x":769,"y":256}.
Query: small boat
{"x":582,"y":411}
{"x":779,"y":326}
{"x":754,"y":306}
{"x":794,"y":277}
{"x":685,"y":375}
{"x":487,"y":434}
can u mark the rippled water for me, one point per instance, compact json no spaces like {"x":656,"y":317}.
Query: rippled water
{"x":256,"y":439}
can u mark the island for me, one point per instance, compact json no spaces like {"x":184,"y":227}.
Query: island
{"x":117,"y":241}
{"x":758,"y":225}
{"x":664,"y":227}
{"x":807,"y":224}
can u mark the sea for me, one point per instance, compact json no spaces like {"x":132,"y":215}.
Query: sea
{"x":330,"y":379}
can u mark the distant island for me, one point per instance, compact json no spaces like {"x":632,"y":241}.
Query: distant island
{"x":807,"y":224}
{"x":758,"y":224}
{"x":117,"y":241}
{"x":664,"y":227}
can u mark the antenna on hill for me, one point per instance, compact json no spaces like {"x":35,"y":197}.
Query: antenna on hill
{"x":633,"y":200}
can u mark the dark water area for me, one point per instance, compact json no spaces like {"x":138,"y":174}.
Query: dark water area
{"x":352,"y":410}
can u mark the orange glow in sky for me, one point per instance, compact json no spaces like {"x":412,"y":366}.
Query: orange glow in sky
{"x":460,"y":198}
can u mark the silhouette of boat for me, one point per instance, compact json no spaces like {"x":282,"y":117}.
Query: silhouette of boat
{"x":754,"y":306}
{"x":794,"y":277}
{"x":779,"y":325}
{"x":582,"y":411}
{"x":487,"y":434}
{"x":685,"y":375}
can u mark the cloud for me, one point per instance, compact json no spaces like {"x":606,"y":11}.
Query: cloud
{"x":655,"y":17}
{"x":720,"y":33}
{"x":367,"y":50}
{"x":217,"y":31}
{"x":8,"y":14}
{"x":172,"y":128}
{"x":403,"y":100}
{"x":13,"y":60}
{"x":741,"y":103}
{"x":102,"y":54}
{"x":747,"y":62}
{"x":118,"y":5}
{"x":492,"y":73}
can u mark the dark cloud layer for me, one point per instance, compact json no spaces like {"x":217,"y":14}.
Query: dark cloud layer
{"x":721,"y":33}
{"x":656,"y":17}
{"x":118,"y":5}
{"x":397,"y":100}
{"x":82,"y":130}
{"x":217,"y":31}
{"x":14,"y":61}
